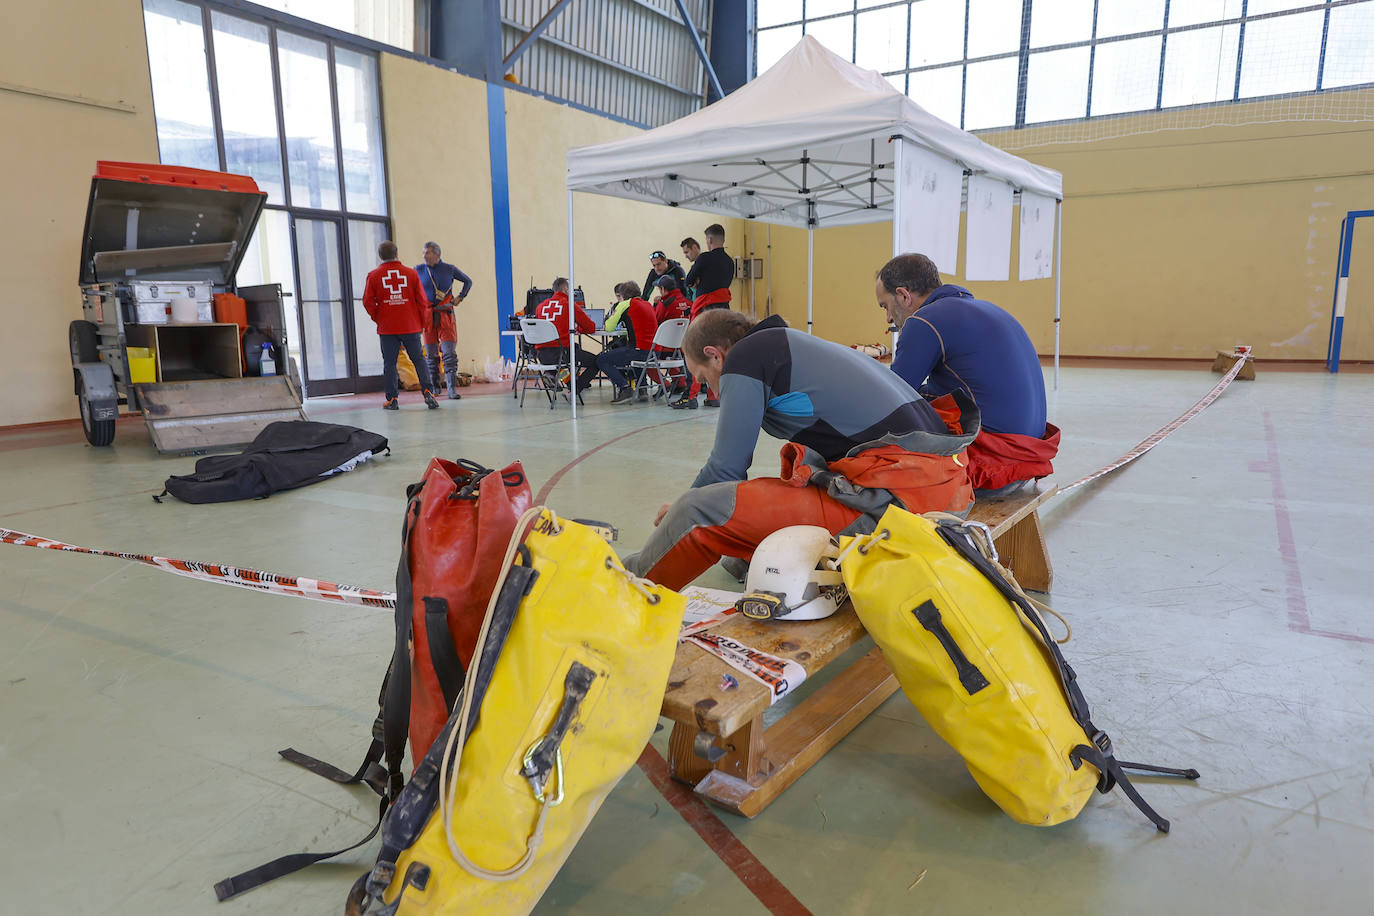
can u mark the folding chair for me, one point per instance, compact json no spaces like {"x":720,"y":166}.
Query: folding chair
{"x":531,"y":371}
{"x":668,"y":337}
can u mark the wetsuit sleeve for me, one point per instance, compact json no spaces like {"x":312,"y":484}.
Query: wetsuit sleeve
{"x":742,"y":404}
{"x":465,"y":280}
{"x":919,"y":351}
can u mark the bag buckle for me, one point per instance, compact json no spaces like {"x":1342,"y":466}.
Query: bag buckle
{"x":1102,"y":742}
{"x":537,"y":785}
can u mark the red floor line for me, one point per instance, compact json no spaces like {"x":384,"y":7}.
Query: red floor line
{"x":558,"y":474}
{"x":712,"y":830}
{"x":1299,"y":618}
{"x":762,"y":883}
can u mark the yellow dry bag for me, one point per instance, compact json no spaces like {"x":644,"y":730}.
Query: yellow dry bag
{"x":974,"y":657}
{"x":562,"y":695}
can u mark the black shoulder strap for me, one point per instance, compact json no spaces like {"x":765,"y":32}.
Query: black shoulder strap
{"x":1098,"y":749}
{"x":418,"y":799}
{"x":388,"y":736}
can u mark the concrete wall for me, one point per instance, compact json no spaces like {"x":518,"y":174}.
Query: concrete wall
{"x":64,"y":103}
{"x":440,"y":185}
{"x":1176,"y":243}
{"x":614,"y":236}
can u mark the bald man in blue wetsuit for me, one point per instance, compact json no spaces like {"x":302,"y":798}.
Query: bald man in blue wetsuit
{"x":951,"y":341}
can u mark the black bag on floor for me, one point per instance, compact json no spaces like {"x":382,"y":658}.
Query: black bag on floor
{"x":285,"y":455}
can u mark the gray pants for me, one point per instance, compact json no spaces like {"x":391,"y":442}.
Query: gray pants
{"x":449,"y":350}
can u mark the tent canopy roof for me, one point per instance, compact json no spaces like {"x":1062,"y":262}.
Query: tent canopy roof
{"x":808,"y":139}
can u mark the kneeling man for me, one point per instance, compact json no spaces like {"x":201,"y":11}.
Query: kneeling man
{"x":952,"y":342}
{"x":858,"y":439}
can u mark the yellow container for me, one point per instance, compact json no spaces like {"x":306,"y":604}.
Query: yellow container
{"x":142,"y":365}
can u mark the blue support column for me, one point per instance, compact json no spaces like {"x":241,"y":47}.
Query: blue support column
{"x":1333,"y":345}
{"x":467,"y":34}
{"x":500,"y":211}
{"x":730,"y":47}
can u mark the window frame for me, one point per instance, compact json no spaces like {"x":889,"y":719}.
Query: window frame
{"x":1092,"y":43}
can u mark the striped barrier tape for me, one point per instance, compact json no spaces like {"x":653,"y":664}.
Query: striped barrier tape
{"x":318,"y":590}
{"x":255,"y":579}
{"x":1160,"y":434}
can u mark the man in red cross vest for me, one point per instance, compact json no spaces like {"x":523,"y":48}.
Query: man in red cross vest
{"x":396,"y":301}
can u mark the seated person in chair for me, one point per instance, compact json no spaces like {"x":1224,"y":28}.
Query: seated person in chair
{"x":951,"y":341}
{"x":637,"y":318}
{"x":857,"y":439}
{"x":555,"y":309}
{"x":671,"y":303}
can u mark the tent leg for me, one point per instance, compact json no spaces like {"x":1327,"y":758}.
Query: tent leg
{"x":810,"y":263}
{"x":896,"y":213}
{"x":572,"y":313}
{"x":1058,"y":271}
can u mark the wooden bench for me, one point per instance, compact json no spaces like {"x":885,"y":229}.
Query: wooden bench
{"x":1015,"y":524}
{"x":755,"y":764}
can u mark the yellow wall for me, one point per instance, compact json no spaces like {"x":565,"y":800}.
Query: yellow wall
{"x":614,"y":236}
{"x":1176,"y":243}
{"x":440,"y":185}
{"x":49,"y":148}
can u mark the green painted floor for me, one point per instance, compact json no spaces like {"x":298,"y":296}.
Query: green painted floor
{"x":1221,"y":620}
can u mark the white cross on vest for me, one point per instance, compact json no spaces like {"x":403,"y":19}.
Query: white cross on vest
{"x":394,"y":281}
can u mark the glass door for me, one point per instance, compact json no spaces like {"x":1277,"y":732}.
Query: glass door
{"x":327,"y":332}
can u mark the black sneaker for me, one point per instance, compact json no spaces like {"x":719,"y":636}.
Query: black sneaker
{"x":453,"y":395}
{"x":713,"y":402}
{"x":429,"y":400}
{"x":684,"y":403}
{"x":623,"y":396}
{"x":643,"y":393}
{"x":391,"y":405}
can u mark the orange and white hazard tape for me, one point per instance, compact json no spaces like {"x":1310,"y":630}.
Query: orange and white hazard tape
{"x":255,"y":579}
{"x":741,"y":657}
{"x":1160,"y":434}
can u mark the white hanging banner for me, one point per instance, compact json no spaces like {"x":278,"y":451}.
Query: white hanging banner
{"x":1037,"y":237}
{"x":932,"y":189}
{"x":987,"y":238}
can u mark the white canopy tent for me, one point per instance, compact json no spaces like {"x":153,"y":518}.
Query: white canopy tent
{"x":817,"y":142}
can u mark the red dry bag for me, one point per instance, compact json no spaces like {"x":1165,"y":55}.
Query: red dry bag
{"x":460,"y":518}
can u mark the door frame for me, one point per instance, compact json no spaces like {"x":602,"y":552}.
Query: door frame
{"x":351,"y":382}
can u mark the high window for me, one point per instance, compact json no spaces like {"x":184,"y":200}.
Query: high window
{"x":1014,"y":63}
{"x":301,"y":114}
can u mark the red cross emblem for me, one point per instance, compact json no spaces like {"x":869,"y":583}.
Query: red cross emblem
{"x":394,"y":281}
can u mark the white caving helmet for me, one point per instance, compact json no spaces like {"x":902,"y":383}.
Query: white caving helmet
{"x":793,"y":577}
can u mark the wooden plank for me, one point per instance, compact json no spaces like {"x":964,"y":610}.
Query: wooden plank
{"x":1002,"y":513}
{"x":228,"y":413}
{"x":803,"y":736}
{"x":1023,"y":551}
{"x":694,"y":695}
{"x":177,"y":400}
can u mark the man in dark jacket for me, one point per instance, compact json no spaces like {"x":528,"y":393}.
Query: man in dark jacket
{"x":441,"y":334}
{"x":951,"y":341}
{"x":660,"y":265}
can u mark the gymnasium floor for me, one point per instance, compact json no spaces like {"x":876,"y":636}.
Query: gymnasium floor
{"x":1220,"y":621}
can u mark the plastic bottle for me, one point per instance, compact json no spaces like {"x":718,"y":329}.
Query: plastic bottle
{"x":268,"y":366}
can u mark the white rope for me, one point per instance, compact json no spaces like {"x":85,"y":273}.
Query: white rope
{"x":448,"y":781}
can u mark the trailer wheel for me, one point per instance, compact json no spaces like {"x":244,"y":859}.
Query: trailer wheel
{"x":98,"y":432}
